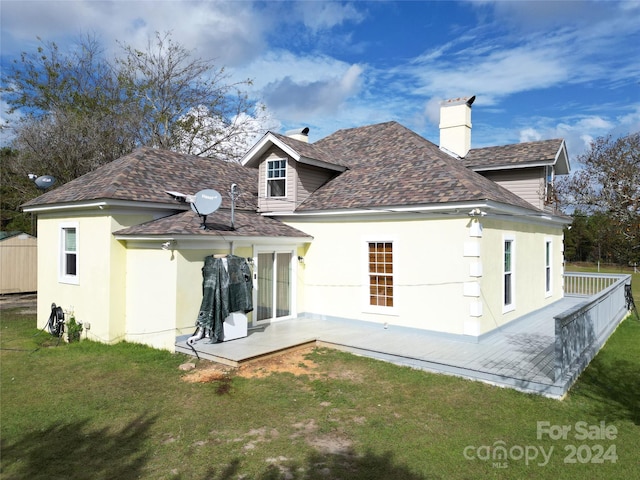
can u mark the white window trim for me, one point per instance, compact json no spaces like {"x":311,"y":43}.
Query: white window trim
{"x":285,"y":178}
{"x":62,"y":277}
{"x":366,"y":306}
{"x":511,"y":306}
{"x":548,"y":243}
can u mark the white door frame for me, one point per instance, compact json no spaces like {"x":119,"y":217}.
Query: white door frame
{"x":274,"y":249}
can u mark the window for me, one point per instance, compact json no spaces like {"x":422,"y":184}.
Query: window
{"x":381,"y":274}
{"x":276,"y":178}
{"x":508,"y":300}
{"x":549,"y":192}
{"x":69,"y":254}
{"x":547,"y":267}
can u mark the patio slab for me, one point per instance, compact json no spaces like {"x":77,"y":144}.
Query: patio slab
{"x":519,"y":355}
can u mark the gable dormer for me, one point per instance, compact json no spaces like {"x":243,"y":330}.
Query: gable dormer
{"x":289,"y":170}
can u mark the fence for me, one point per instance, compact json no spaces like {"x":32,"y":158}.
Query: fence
{"x":582,"y":330}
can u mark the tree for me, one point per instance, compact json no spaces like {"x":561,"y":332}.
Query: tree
{"x":184,"y":103}
{"x":78,"y":110}
{"x":608,"y":184}
{"x":71,"y":119}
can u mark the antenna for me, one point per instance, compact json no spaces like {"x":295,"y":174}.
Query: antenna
{"x":234,"y":194}
{"x":204,"y":203}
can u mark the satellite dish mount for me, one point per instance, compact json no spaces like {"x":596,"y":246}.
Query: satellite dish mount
{"x":205,"y":203}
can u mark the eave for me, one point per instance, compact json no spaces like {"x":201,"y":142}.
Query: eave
{"x":103,"y":204}
{"x":487,"y":208}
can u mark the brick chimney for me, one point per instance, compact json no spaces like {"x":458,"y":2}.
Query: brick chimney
{"x":301,"y":134}
{"x":455,"y":125}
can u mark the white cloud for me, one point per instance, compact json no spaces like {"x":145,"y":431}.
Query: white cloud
{"x":320,"y":16}
{"x":298,"y":100}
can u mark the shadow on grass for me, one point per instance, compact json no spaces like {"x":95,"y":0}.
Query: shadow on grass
{"x":73,"y":451}
{"x":615,"y":387}
{"x":320,"y":466}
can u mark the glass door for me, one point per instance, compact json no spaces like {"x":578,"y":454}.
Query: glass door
{"x":274,"y":285}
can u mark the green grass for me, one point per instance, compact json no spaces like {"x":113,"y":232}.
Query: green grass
{"x":92,"y":411}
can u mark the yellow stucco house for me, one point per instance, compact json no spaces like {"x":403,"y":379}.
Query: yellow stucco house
{"x":373,"y":224}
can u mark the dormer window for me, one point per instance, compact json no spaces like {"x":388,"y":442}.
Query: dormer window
{"x":276,"y":178}
{"x":548,"y":186}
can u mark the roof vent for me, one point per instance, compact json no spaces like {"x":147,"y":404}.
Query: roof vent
{"x":455,"y":125}
{"x":301,"y":134}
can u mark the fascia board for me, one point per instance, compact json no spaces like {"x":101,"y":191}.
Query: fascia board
{"x":563,"y":165}
{"x":197,"y":242}
{"x":492,"y":209}
{"x":103,"y":204}
{"x":263,"y":145}
{"x":319,"y":163}
{"x":260,"y":148}
{"x":512,"y":166}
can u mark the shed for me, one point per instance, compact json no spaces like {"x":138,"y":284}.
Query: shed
{"x":18,"y":262}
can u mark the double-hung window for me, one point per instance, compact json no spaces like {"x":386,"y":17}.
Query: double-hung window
{"x":69,"y":253}
{"x":380,"y":274}
{"x":508,"y":303}
{"x":276,"y":178}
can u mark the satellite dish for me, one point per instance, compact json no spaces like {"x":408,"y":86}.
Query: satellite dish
{"x":44,"y":182}
{"x":204,"y":203}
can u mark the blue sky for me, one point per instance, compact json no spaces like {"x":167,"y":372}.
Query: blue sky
{"x":539,"y":70}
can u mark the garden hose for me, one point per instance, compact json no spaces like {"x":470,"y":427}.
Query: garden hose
{"x":55,"y":324}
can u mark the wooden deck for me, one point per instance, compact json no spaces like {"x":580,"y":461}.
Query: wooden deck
{"x":519,"y":355}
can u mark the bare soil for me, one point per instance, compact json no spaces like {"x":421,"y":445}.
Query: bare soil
{"x":293,"y":361}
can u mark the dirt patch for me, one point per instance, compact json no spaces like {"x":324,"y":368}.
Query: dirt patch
{"x":25,"y":301}
{"x":293,"y":361}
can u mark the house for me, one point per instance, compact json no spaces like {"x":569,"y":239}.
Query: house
{"x":372,"y":224}
{"x":18,"y":262}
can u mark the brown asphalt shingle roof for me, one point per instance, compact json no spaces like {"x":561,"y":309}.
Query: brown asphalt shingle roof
{"x":515,"y":154}
{"x":390,"y":165}
{"x":247,"y":224}
{"x":387,"y":164}
{"x":145,"y":174}
{"x":313,"y":150}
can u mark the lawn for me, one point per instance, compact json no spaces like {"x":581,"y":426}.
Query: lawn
{"x":93,"y":411}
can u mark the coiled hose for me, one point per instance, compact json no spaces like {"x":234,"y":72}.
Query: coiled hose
{"x":55,"y":325}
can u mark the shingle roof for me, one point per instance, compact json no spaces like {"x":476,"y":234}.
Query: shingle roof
{"x":145,"y":174}
{"x":390,"y":165}
{"x":247,"y":224}
{"x":312,"y":150}
{"x":520,"y":154}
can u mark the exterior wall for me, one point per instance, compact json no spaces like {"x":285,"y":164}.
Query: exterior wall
{"x":447,"y":272}
{"x":99,"y":296}
{"x":19,"y":264}
{"x":267,"y":204}
{"x":529,"y":253}
{"x":164,"y":292}
{"x":527,"y":183}
{"x":309,"y":179}
{"x":302,"y":180}
{"x":428,"y":283}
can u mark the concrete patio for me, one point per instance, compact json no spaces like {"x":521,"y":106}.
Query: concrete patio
{"x":519,"y":355}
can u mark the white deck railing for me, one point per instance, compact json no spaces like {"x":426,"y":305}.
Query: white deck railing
{"x":587,"y":284}
{"x":581,"y":331}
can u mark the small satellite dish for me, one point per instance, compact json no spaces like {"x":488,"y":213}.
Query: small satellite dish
{"x":44,"y":182}
{"x":206,"y":202}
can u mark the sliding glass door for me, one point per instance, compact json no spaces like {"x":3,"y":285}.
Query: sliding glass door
{"x":274,"y":285}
